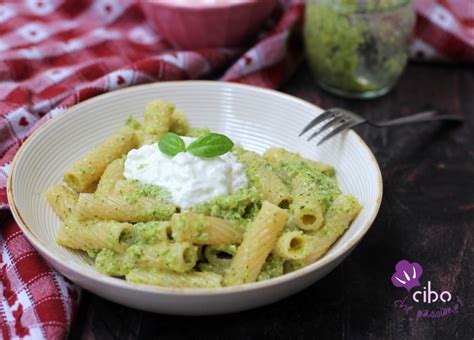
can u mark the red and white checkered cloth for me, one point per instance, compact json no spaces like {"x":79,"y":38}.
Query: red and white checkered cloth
{"x":444,"y":31}
{"x":56,"y":53}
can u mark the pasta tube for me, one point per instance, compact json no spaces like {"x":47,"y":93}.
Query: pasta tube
{"x":116,"y":207}
{"x":212,"y":268}
{"x":240,"y":207}
{"x":157,"y":121}
{"x":258,"y":242}
{"x":94,"y":235}
{"x":151,"y":232}
{"x":133,"y":123}
{"x":133,"y":190}
{"x":307,"y":211}
{"x":87,"y":171}
{"x":339,"y":216}
{"x":292,"y":245}
{"x":267,"y":182}
{"x":178,"y":256}
{"x":179,"y":123}
{"x":273,"y":267}
{"x":276,"y":155}
{"x":112,"y":174}
{"x":220,"y":255}
{"x":175,"y":280}
{"x":62,"y":200}
{"x":200,"y":229}
{"x":313,"y":192}
{"x":111,"y":263}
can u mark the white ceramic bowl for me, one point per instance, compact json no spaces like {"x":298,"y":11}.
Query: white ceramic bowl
{"x":255,"y":117}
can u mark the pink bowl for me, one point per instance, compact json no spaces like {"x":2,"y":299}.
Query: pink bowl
{"x":197,"y":25}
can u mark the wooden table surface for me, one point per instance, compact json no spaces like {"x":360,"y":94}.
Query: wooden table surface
{"x":427,"y":216}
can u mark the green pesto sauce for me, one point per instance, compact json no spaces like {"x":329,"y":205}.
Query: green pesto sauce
{"x":240,"y":207}
{"x":283,"y":154}
{"x":255,"y":169}
{"x":230,"y":249}
{"x":200,"y":226}
{"x":319,"y":185}
{"x":148,"y":232}
{"x":213,"y":268}
{"x":323,"y":188}
{"x":194,"y":230}
{"x":272,"y":267}
{"x":133,"y":123}
{"x":135,"y":252}
{"x":160,"y":255}
{"x":135,"y":191}
{"x":287,"y":170}
{"x":110,"y":263}
{"x":167,"y":257}
{"x":145,"y":190}
{"x":198,"y":132}
{"x":221,"y":255}
{"x":91,"y":252}
{"x":357,"y":46}
{"x":346,"y":205}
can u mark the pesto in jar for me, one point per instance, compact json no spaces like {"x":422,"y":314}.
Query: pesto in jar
{"x":357,"y":48}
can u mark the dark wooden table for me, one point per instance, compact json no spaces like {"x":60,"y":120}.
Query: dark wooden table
{"x":427,"y":216}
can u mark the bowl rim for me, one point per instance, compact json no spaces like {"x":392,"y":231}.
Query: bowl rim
{"x":196,"y":6}
{"x":100,"y":278}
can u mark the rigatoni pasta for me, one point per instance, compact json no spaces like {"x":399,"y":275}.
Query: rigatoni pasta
{"x":285,"y":212}
{"x":293,"y":245}
{"x":176,"y":256}
{"x":118,"y":208}
{"x":151,"y":232}
{"x":157,"y":121}
{"x":313,"y":192}
{"x":267,"y":182}
{"x":175,"y":280}
{"x":93,"y":235}
{"x":88,"y":170}
{"x":274,"y":266}
{"x":220,"y":255}
{"x":218,"y":258}
{"x":62,"y":200}
{"x":179,"y":124}
{"x":307,"y":210}
{"x":112,"y":263}
{"x":112,"y":174}
{"x":277,"y":155}
{"x":258,"y":242}
{"x":339,"y":216}
{"x":200,"y":229}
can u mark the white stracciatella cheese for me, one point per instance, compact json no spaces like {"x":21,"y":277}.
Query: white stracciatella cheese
{"x":190,"y":179}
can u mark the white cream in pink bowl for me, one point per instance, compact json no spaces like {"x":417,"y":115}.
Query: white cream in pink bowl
{"x":193,"y":24}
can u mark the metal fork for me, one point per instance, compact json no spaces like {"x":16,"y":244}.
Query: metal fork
{"x":342,"y":120}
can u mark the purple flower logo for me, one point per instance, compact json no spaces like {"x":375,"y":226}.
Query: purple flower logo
{"x":407,"y":275}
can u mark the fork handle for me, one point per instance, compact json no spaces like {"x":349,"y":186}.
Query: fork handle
{"x":426,"y":116}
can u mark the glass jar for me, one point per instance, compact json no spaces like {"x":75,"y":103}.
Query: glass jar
{"x":358,"y":48}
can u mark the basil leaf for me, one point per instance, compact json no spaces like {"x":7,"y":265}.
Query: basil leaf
{"x":171,"y":144}
{"x":210,"y":145}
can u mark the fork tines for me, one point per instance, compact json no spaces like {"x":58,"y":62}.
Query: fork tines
{"x":339,"y":119}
